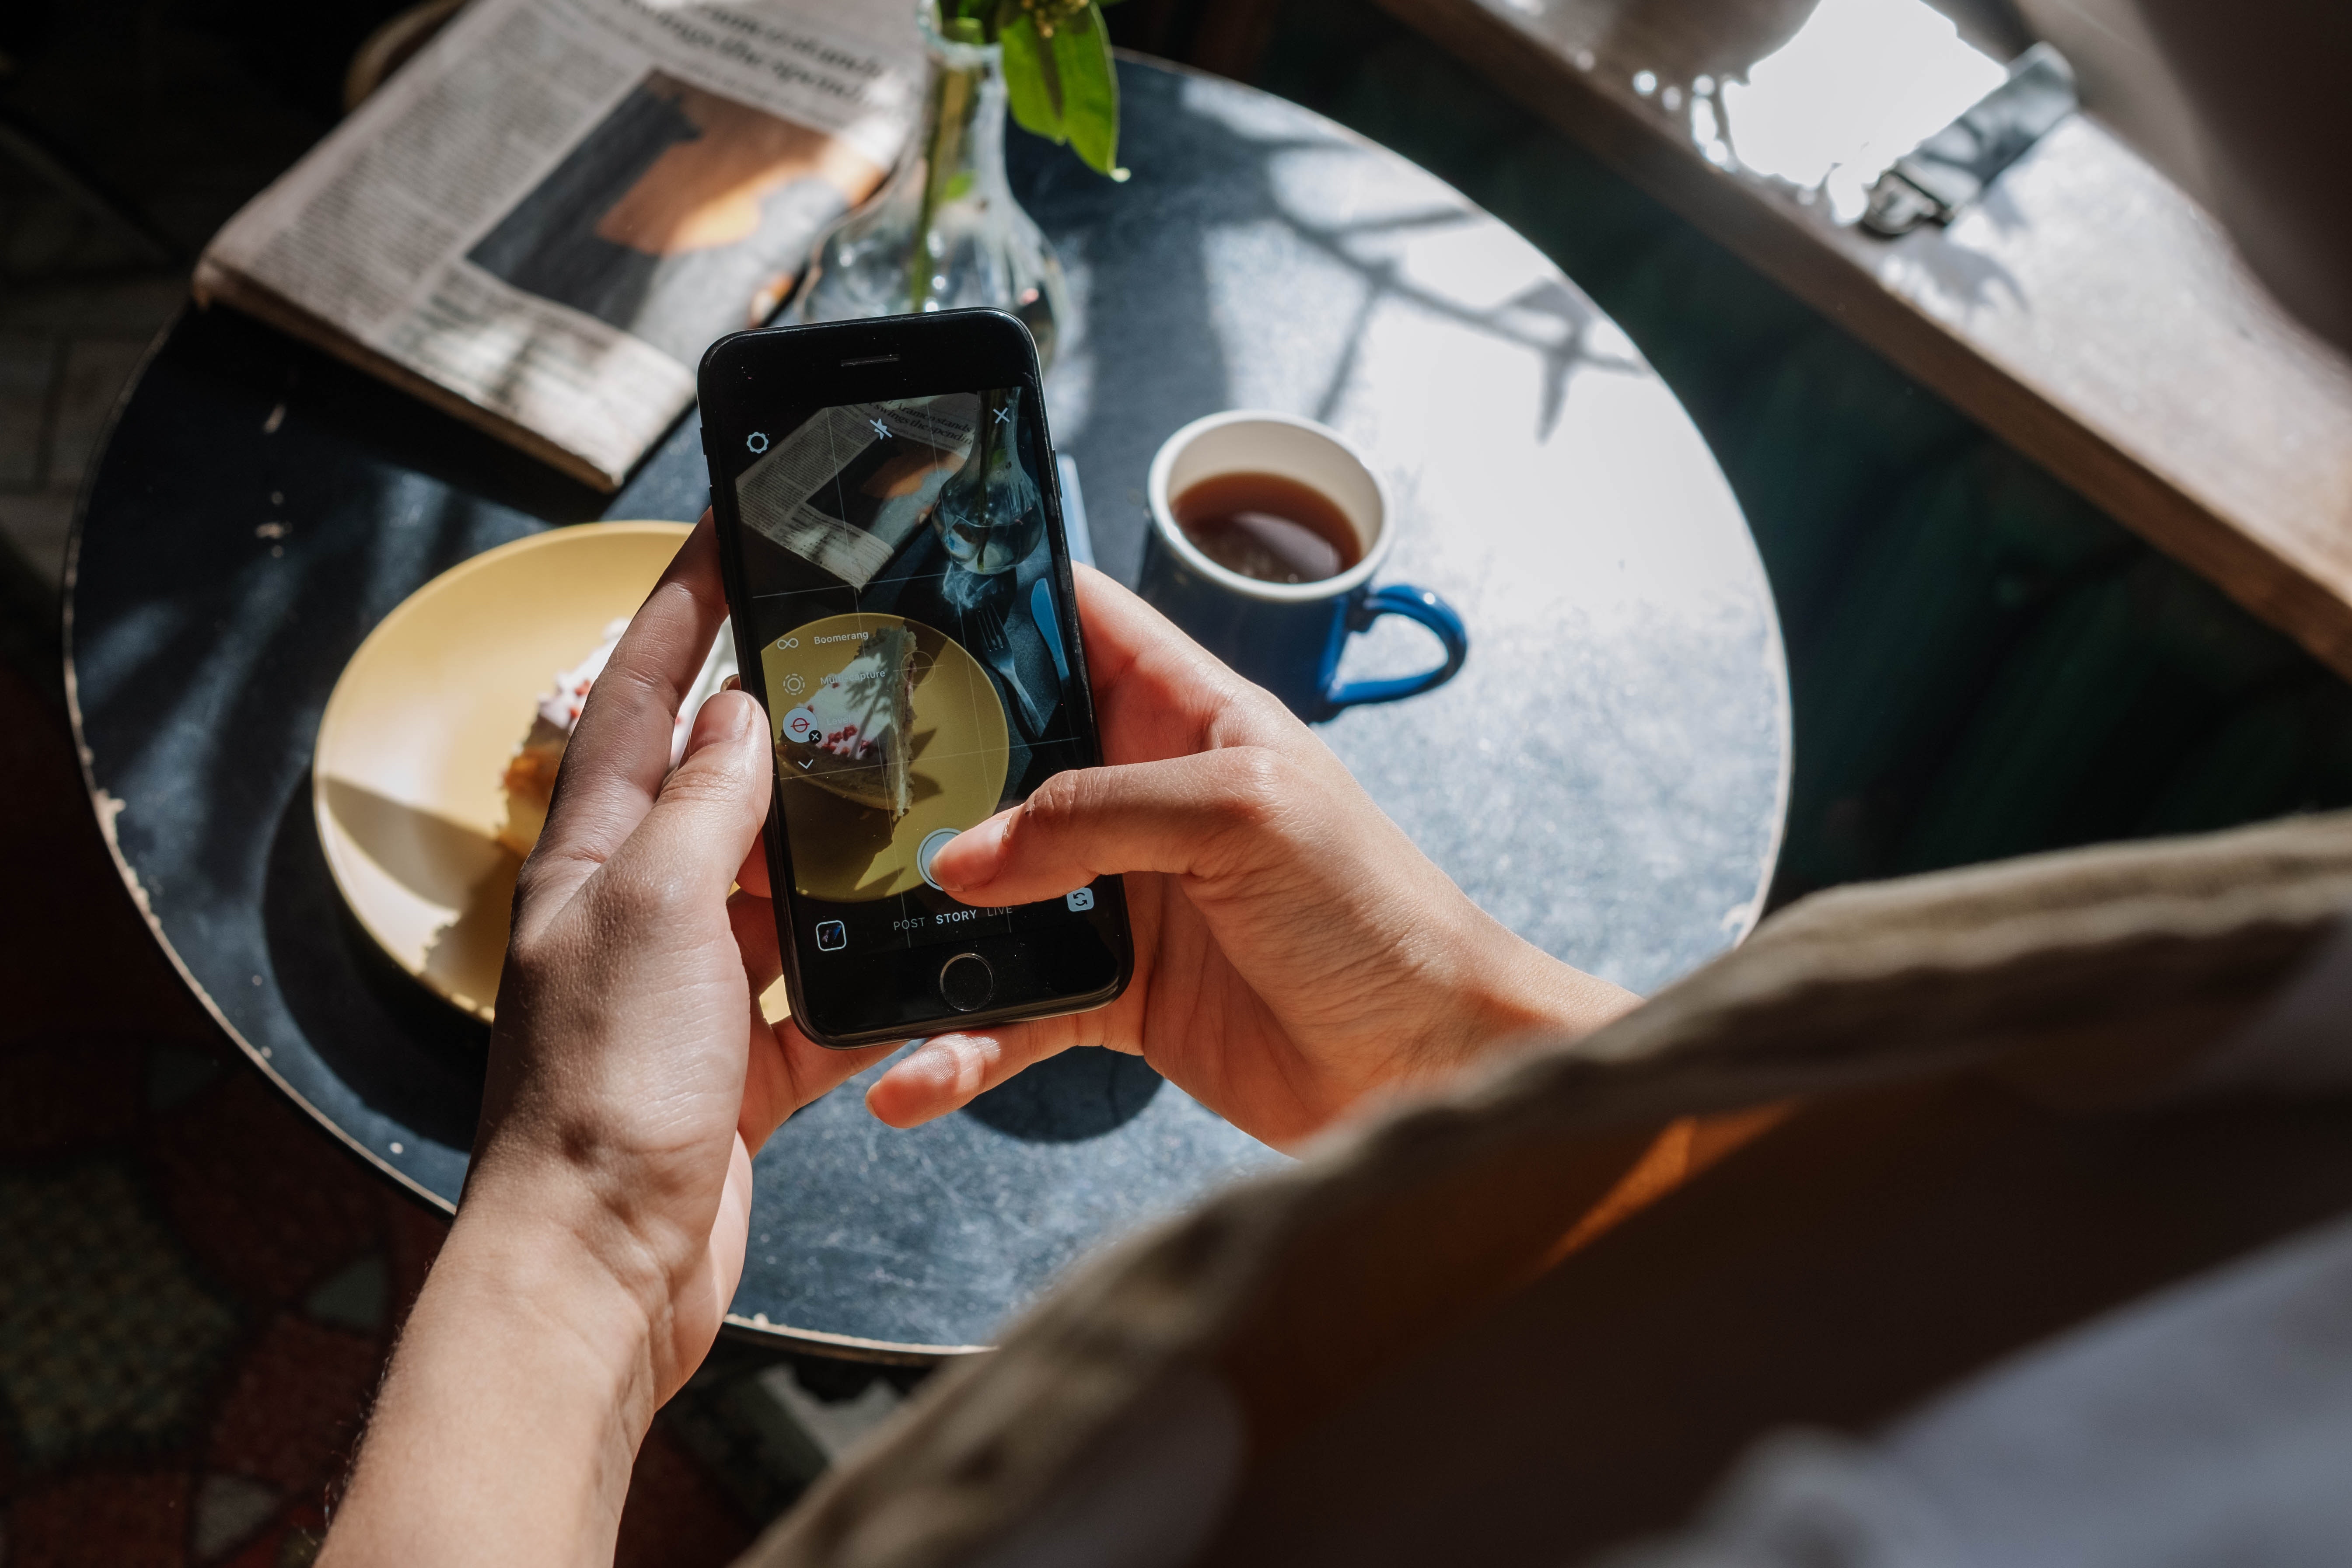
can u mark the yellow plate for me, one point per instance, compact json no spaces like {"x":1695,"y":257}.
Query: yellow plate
{"x":404,"y":783}
{"x":850,"y":853}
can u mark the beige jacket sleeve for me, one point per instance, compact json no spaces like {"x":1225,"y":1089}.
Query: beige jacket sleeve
{"x":1762,"y":1147}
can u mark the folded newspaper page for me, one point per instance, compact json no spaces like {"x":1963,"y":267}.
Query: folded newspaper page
{"x":883,"y":500}
{"x":546,"y":216}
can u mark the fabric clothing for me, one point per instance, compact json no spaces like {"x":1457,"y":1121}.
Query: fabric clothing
{"x":1909,"y":1133}
{"x":2209,"y":1425}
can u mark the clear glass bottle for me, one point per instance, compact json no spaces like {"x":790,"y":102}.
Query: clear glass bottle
{"x":989,"y":517}
{"x":944,"y":230}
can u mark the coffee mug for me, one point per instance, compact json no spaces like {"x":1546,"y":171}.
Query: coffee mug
{"x":1288,"y":637}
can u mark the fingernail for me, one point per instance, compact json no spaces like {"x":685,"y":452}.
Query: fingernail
{"x":975,"y":856}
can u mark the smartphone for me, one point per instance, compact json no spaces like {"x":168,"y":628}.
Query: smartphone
{"x":890,"y":526}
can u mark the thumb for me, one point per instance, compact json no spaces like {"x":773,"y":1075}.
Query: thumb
{"x":1206,"y":816}
{"x":713,"y":803}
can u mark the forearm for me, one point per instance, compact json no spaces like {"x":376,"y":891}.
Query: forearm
{"x":507,"y":1425}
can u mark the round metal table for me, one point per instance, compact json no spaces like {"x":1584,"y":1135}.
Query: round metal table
{"x":1606,"y":776}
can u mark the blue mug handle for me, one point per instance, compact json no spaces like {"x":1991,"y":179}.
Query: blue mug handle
{"x":1414,"y":604}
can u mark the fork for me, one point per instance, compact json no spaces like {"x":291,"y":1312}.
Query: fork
{"x":997,"y":649}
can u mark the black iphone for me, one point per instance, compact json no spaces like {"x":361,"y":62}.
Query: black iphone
{"x":890,"y":524}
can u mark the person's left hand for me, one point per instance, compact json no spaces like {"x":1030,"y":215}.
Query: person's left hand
{"x":632,"y":1074}
{"x":630,"y":1077}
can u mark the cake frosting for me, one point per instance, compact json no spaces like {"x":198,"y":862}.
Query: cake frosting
{"x":530,"y":778}
{"x":857,"y":738}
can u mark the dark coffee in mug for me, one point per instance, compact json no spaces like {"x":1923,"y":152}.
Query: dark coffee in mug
{"x":1266,"y":532}
{"x":1268,"y":527}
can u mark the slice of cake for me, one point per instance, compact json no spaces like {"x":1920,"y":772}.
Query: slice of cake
{"x":857,"y":744}
{"x":530,"y":778}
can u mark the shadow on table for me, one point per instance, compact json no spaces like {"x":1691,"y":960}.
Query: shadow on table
{"x":1081,"y":1093}
{"x":1179,"y":253}
{"x":232,"y":571}
{"x":402,"y":1051}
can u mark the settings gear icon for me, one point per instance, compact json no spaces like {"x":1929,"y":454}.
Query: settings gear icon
{"x":757,"y":441}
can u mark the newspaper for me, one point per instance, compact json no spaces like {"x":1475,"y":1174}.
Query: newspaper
{"x":546,"y":216}
{"x":882,"y":507}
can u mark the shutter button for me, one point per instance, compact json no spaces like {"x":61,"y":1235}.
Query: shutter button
{"x":966,"y":982}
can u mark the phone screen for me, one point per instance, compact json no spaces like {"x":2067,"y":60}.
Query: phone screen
{"x":906,"y":615}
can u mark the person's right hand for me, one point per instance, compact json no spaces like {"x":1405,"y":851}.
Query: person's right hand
{"x":1292,"y":951}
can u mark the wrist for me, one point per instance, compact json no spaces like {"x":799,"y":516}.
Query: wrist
{"x":1510,"y":989}
{"x":509,"y":1425}
{"x":554,"y":1252}
{"x":530,"y":1269}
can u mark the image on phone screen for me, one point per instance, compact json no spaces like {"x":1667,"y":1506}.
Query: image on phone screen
{"x":909,"y":635}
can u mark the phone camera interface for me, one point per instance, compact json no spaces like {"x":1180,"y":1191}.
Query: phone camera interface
{"x":904,"y":599}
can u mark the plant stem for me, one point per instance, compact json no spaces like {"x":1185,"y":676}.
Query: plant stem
{"x":952,"y":93}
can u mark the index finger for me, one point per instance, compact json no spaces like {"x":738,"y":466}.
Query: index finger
{"x":619,"y":754}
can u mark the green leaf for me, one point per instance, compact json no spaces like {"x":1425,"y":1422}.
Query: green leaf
{"x":1030,"y":80}
{"x":1088,"y":90}
{"x":1066,"y":87}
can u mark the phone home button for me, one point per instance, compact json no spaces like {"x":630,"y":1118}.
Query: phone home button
{"x":966,"y":982}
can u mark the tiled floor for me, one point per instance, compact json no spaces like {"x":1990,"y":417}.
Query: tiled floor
{"x":74,"y":321}
{"x":197,"y":1287}
{"x":67,"y":351}
{"x":163,"y":119}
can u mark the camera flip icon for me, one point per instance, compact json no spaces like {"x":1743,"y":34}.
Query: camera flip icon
{"x":1079,"y":901}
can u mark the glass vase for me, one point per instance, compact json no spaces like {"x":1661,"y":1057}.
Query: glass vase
{"x":988,"y":517}
{"x":944,"y":230}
